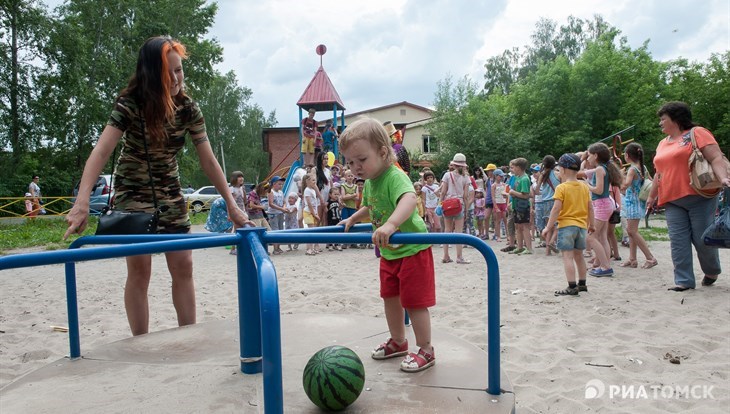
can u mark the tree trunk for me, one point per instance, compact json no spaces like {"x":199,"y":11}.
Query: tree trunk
{"x":15,"y":122}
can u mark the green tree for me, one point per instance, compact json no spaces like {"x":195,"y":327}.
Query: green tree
{"x":60,"y":75}
{"x":22,"y":32}
{"x":95,"y":48}
{"x":478,"y":126}
{"x":234,"y":126}
{"x":705,"y":88}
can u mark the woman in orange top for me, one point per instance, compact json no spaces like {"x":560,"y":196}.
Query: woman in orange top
{"x":688,"y":213}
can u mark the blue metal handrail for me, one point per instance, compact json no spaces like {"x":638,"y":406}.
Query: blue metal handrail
{"x":259,"y":314}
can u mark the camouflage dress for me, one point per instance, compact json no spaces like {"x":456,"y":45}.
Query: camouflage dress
{"x":131,"y":179}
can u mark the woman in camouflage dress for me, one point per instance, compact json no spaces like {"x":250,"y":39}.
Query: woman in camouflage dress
{"x":155,"y":102}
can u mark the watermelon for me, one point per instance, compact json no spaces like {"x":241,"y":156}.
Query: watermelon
{"x":333,"y":378}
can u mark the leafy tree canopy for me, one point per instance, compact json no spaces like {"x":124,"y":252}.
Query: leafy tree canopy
{"x":575,"y":85}
{"x":61,"y":71}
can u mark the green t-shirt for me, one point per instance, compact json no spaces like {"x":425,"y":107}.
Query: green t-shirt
{"x":381,"y":196}
{"x":522,"y":185}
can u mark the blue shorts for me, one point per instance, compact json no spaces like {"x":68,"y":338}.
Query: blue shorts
{"x":542,"y":213}
{"x":347,"y":212}
{"x":572,"y":238}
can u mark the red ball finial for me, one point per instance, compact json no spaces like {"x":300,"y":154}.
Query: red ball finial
{"x":321,"y":50}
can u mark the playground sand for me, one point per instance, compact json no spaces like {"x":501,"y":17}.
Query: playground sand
{"x":623,"y":333}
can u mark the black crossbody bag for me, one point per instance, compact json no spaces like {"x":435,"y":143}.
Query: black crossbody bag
{"x":114,"y":222}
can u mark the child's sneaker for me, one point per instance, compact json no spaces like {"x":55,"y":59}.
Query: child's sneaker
{"x":582,"y":288}
{"x":418,"y":362}
{"x":598,"y":272}
{"x":390,"y":349}
{"x":569,"y":291}
{"x":525,"y":252}
{"x":518,"y":251}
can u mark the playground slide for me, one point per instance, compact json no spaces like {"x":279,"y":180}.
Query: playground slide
{"x":293,"y":171}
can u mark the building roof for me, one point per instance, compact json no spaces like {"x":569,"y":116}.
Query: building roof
{"x":320,"y":94}
{"x":379,"y":108}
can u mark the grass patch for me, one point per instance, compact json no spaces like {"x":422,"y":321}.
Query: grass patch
{"x":198,"y":218}
{"x":48,"y":232}
{"x":654,"y":233}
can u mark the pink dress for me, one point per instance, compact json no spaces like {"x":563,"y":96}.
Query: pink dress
{"x":480,"y":207}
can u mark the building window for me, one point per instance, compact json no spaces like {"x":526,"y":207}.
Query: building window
{"x":430,"y":145}
{"x":402,"y":112}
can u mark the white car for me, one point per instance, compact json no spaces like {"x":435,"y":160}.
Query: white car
{"x":202,"y":198}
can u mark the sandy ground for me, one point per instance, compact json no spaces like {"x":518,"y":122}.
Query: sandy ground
{"x":557,"y":351}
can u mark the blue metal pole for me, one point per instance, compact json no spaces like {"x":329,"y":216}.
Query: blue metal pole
{"x":271,"y":320}
{"x":122,"y":250}
{"x":72,"y":309}
{"x":493,"y":339}
{"x":249,"y":318}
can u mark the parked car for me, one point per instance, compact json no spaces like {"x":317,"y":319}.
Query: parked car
{"x":202,"y":198}
{"x":100,"y":194}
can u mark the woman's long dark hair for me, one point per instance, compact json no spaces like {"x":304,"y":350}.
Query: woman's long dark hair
{"x":603,"y":155}
{"x":321,"y":176}
{"x":478,"y":173}
{"x":149,"y":87}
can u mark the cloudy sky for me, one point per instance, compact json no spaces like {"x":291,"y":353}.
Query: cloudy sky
{"x":386,"y":51}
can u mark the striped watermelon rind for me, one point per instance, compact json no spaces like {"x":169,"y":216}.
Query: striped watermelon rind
{"x":333,"y":378}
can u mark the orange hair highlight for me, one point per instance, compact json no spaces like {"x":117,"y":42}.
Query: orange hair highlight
{"x":168,"y":47}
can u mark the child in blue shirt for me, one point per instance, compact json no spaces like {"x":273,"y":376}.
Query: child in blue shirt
{"x":406,"y":270}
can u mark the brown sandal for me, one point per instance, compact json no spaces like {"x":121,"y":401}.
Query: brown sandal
{"x":630,"y":263}
{"x":650,"y":263}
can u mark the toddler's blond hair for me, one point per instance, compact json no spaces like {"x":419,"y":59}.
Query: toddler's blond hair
{"x":370,"y":130}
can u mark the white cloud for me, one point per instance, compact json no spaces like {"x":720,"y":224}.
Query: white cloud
{"x":386,"y":51}
{"x":381,"y":52}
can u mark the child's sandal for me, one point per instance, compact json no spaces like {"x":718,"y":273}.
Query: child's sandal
{"x":390,"y":349}
{"x":630,"y":263}
{"x":569,"y":291}
{"x":650,"y":263}
{"x":418,"y":362}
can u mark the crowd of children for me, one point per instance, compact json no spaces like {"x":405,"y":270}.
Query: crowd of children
{"x":520,"y":204}
{"x":569,"y":206}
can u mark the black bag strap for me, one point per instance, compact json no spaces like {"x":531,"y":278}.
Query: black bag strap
{"x":149,"y":169}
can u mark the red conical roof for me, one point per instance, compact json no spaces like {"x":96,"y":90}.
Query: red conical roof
{"x":320,"y":94}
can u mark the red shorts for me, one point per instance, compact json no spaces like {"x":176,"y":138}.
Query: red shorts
{"x":502,"y":207}
{"x":412,"y":278}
